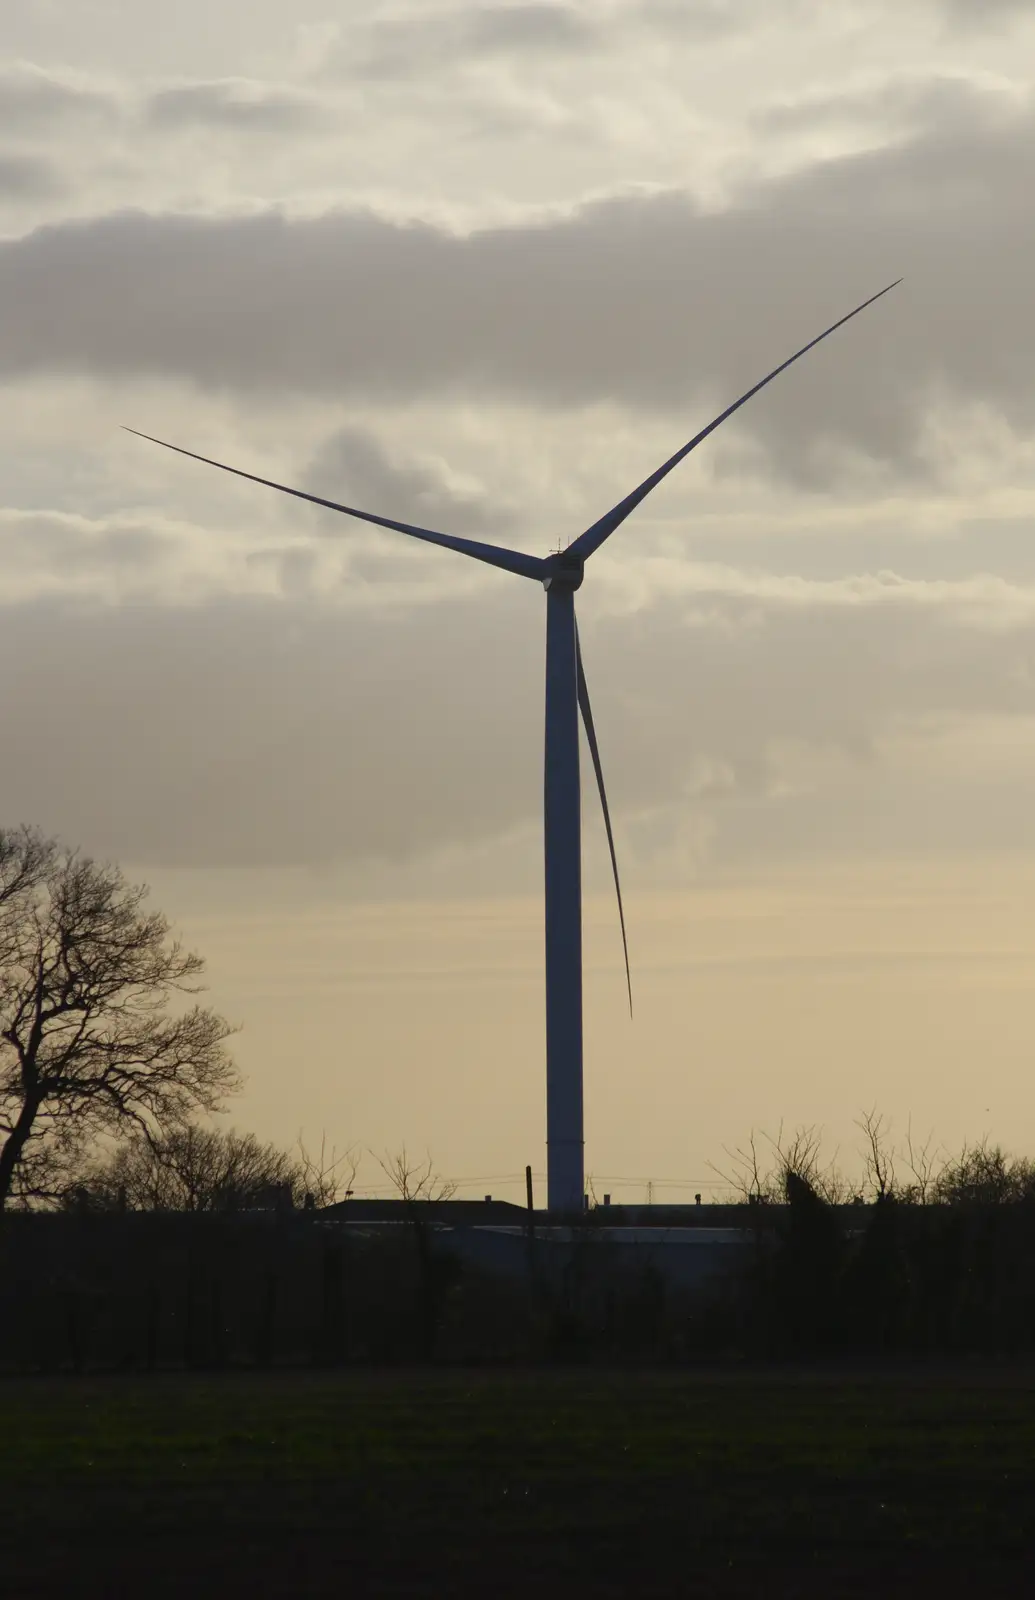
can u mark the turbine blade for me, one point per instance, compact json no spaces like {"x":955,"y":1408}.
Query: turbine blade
{"x":587,"y":718}
{"x":594,"y":537}
{"x":494,"y":555}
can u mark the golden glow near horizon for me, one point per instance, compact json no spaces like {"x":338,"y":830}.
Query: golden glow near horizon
{"x":807,"y":995}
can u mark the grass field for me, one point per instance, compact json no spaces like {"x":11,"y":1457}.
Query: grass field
{"x":555,"y":1482}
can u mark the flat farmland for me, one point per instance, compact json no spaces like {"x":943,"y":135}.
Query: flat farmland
{"x":471,"y":1482}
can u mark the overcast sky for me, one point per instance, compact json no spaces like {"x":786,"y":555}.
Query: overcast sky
{"x":484,"y":266}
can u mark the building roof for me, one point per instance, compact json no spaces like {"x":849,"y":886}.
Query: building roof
{"x":453,"y":1212}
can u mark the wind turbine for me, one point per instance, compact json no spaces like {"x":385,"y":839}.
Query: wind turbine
{"x":566,"y":696}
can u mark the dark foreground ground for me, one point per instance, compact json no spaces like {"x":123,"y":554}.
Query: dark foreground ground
{"x":534,"y":1484}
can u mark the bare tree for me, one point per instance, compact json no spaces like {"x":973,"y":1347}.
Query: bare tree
{"x":922,"y":1164}
{"x":747,"y":1178}
{"x":95,"y":1034}
{"x":800,"y":1157}
{"x":191,"y":1169}
{"x":984,"y":1174}
{"x":25,"y":857}
{"x":210,"y":1169}
{"x":798,"y":1154}
{"x":878,"y":1153}
{"x":418,"y":1184}
{"x":326,"y":1178}
{"x":755,"y":1181}
{"x":415,"y":1180}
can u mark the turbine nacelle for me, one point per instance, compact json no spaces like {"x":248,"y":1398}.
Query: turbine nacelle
{"x":563,"y":571}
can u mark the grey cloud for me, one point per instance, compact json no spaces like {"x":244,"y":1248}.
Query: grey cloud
{"x":72,"y":547}
{"x":231,"y":104}
{"x":529,"y":27}
{"x":702,"y":19}
{"x":296,"y":567}
{"x":914,"y":103}
{"x":27,"y":178}
{"x":697,"y":707}
{"x":1005,"y":546}
{"x":978,"y":16}
{"x":31,"y":99}
{"x":353,"y":466}
{"x":412,"y":43}
{"x":289,"y":732}
{"x":645,"y":299}
{"x":249,"y":733}
{"x":400,"y":47}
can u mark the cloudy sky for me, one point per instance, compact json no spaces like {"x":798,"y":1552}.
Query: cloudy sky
{"x":483,"y":266}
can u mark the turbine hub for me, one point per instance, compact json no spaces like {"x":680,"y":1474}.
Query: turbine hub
{"x":563,"y":571}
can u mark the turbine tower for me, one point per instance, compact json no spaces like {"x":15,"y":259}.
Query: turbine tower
{"x":567,"y":696}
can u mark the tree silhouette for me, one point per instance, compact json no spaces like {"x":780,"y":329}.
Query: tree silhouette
{"x":192,"y":1168}
{"x":97,"y":1033}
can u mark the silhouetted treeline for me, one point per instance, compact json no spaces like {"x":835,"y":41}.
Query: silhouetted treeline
{"x":195,"y":1168}
{"x":894,"y":1278}
{"x":953,"y":1277}
{"x":207,"y":1290}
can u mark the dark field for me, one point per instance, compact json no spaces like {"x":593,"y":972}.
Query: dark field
{"x":488,"y":1484}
